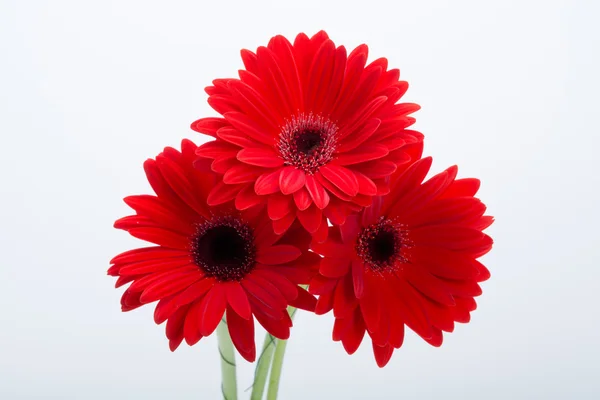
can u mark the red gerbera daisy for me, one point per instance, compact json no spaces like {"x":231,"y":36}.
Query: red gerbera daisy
{"x":408,"y":259}
{"x":209,"y":261}
{"x":307,"y":130}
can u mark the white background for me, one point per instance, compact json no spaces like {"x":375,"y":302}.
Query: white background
{"x":89,"y":90}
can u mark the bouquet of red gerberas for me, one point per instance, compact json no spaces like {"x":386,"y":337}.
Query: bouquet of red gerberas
{"x":310,"y":196}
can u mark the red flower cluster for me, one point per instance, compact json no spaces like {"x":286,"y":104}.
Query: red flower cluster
{"x":313,"y":178}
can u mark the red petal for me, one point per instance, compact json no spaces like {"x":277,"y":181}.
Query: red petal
{"x":211,"y":310}
{"x":311,"y":218}
{"x":270,"y":298}
{"x":242,"y":173}
{"x":317,"y":192}
{"x":358,"y":278}
{"x":302,"y":199}
{"x":365,"y":185}
{"x":376,"y":169}
{"x":411,"y":178}
{"x":359,"y":136}
{"x":278,"y":206}
{"x":267,"y":183}
{"x":222,"y":193}
{"x":208,"y":126}
{"x":219,"y":165}
{"x":217,"y":149}
{"x":262,"y":157}
{"x":151,"y":266}
{"x":427,"y":284}
{"x":322,"y":233}
{"x":337,"y":211}
{"x":354,"y":336}
{"x":334,"y":267}
{"x":147,"y":254}
{"x":191,"y":330}
{"x":235,"y":137}
{"x":364,"y":153}
{"x":444,"y":263}
{"x":370,"y":303}
{"x":195,"y":291}
{"x":247,"y":198}
{"x":244,"y":124}
{"x":349,"y":229}
{"x":237,"y":299}
{"x":280,"y":226}
{"x":451,"y":237}
{"x":241,"y":331}
{"x":409,"y":303}
{"x":462,"y":187}
{"x":284,"y":285}
{"x":344,"y":301}
{"x":291,"y":180}
{"x":163,"y":214}
{"x":164,"y":309}
{"x":332,"y":249}
{"x":304,"y":301}
{"x":436,"y":338}
{"x":174,"y":328}
{"x":341,"y":177}
{"x":382,"y":354}
{"x":161,"y":237}
{"x":276,"y":327}
{"x":279,"y":254}
{"x":320,"y":285}
{"x":324,"y":303}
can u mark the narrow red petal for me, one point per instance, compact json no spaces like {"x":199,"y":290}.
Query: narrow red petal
{"x":334,"y":267}
{"x":208,"y":126}
{"x":364,"y":153}
{"x":222,"y":193}
{"x":261,"y":157}
{"x":358,"y":278}
{"x":241,"y":331}
{"x":237,"y":299}
{"x":311,"y":218}
{"x":291,"y":180}
{"x":279,"y":205}
{"x":304,"y":301}
{"x":341,"y":177}
{"x":267,"y":183}
{"x":302,"y":199}
{"x":317,"y":192}
{"x":279,"y":254}
{"x":247,"y":198}
{"x":382,"y":354}
{"x":211,"y":310}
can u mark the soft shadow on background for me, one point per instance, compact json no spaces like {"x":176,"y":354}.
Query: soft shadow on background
{"x":89,"y":90}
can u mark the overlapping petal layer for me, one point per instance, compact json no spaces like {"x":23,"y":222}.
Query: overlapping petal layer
{"x":408,"y":260}
{"x":309,"y":130}
{"x":209,"y":262}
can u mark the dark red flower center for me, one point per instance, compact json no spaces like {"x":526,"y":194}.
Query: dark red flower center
{"x":223,"y":248}
{"x":381,"y":245}
{"x":307,"y":142}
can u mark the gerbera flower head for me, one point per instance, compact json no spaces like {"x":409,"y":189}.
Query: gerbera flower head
{"x":307,"y":130}
{"x":410,"y":259}
{"x":208,"y":262}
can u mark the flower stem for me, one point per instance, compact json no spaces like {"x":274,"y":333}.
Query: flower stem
{"x":262,"y":367}
{"x":278,"y":364}
{"x":228,"y":379}
{"x":276,"y":370}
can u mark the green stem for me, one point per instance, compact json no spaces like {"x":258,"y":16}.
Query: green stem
{"x":278,"y":364}
{"x":228,"y":379}
{"x":262,"y":367}
{"x":276,"y":370}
